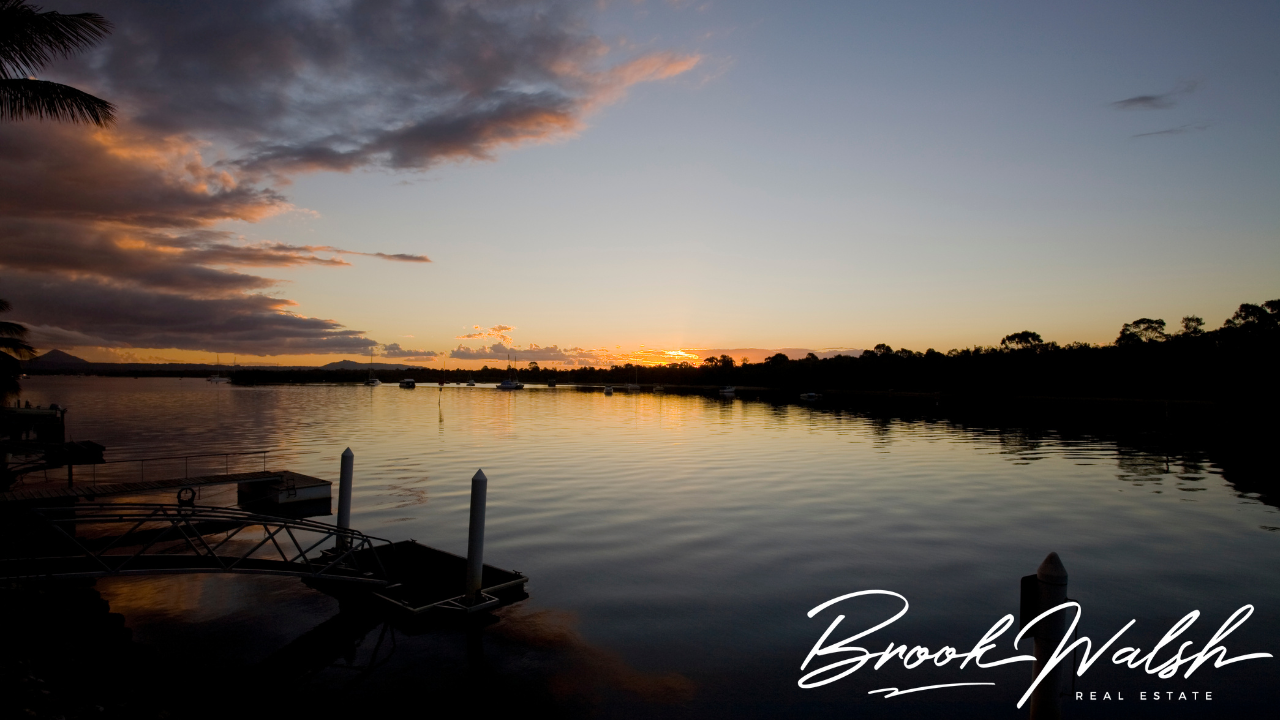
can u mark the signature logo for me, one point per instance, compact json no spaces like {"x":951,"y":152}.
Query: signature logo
{"x":854,"y":657}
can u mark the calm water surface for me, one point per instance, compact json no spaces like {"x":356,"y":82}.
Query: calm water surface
{"x":675,"y":543}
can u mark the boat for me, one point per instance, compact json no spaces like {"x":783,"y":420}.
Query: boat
{"x":635,"y":386}
{"x":727,"y":390}
{"x":810,"y":396}
{"x":608,"y":389}
{"x":510,"y":383}
{"x":408,"y":383}
{"x":217,"y":377}
{"x":373,"y":380}
{"x":657,"y":388}
{"x":551,"y":382}
{"x":471,"y":382}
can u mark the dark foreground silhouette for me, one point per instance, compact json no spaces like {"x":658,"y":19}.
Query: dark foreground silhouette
{"x":1146,"y":362}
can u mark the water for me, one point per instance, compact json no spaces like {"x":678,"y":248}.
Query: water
{"x":675,"y":543}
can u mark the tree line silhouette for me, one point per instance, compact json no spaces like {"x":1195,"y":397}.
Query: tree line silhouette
{"x":1146,"y":361}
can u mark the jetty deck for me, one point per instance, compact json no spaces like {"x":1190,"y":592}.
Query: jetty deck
{"x":424,"y":578}
{"x":278,"y":486}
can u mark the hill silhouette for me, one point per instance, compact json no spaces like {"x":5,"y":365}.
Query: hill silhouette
{"x":55,"y":357}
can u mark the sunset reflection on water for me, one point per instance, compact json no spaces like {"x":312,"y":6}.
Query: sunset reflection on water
{"x":685,"y":537}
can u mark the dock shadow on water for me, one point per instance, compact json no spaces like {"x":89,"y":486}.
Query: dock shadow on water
{"x":516,"y":660}
{"x":204,"y":646}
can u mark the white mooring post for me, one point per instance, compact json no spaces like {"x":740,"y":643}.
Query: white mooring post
{"x":344,"y":494}
{"x":475,"y":536}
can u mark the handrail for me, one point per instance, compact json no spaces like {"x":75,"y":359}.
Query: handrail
{"x":61,"y":551}
{"x":186,"y":462}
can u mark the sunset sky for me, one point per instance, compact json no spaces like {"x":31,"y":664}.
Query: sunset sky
{"x":296,"y":182}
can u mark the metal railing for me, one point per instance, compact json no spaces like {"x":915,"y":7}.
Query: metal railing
{"x":186,"y":461}
{"x":164,"y":467}
{"x":166,"y":539}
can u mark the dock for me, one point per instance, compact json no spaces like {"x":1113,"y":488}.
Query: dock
{"x":425,"y":579}
{"x":50,"y":531}
{"x":276,"y":487}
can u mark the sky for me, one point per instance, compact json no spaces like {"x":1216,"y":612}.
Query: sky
{"x":596,"y":182}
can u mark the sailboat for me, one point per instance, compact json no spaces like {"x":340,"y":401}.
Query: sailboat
{"x":510,"y":383}
{"x":635,"y":386}
{"x":373,"y":381}
{"x":217,"y":377}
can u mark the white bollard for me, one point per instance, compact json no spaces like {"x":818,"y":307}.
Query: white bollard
{"x":344,"y":494}
{"x":1051,"y":584}
{"x":475,"y":536}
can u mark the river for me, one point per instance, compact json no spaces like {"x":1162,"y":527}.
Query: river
{"x":676,"y":543}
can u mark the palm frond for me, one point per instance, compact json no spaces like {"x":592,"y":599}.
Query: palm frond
{"x":16,"y":348}
{"x":11,"y":329}
{"x":23,"y":99}
{"x":29,"y":38}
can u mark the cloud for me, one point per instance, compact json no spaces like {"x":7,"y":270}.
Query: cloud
{"x":48,"y":336}
{"x":1180,"y":130}
{"x":500,"y":332}
{"x":499,"y":351}
{"x":223,"y":103}
{"x":95,"y":220}
{"x":398,"y":257}
{"x":303,"y":86}
{"x":1157,"y":102}
{"x":145,"y":317}
{"x":393,"y":350}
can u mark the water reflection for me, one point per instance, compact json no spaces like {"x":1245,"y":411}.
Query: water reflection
{"x":685,"y":536}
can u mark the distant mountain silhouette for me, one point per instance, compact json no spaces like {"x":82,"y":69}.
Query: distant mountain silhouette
{"x":353,"y":365}
{"x":55,"y":357}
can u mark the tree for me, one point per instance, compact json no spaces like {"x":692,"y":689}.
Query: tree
{"x":778,"y":359}
{"x":13,"y":348}
{"x":1021,"y":340}
{"x":1249,"y":315}
{"x":1192,"y":325}
{"x":1141,"y":331}
{"x":533,"y":365}
{"x":882,"y":349}
{"x":29,"y":40}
